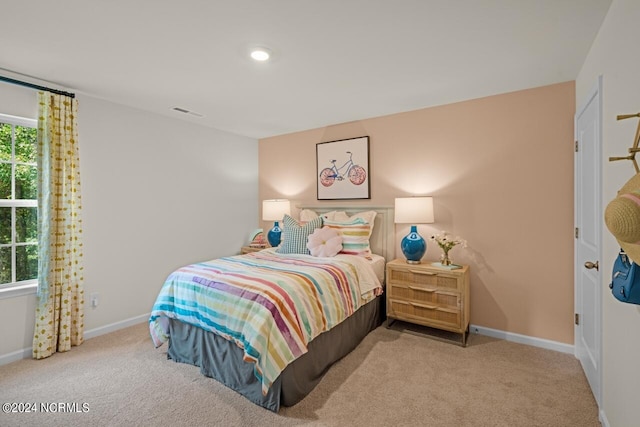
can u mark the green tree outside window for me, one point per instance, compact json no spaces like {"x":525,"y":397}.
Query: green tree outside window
{"x":18,"y":202}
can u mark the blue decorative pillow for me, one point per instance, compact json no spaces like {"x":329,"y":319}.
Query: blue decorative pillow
{"x":295,"y":235}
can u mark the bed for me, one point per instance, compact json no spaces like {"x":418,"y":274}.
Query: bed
{"x":275,"y":366}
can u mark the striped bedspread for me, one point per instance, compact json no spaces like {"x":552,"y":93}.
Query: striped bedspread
{"x":270,"y":305}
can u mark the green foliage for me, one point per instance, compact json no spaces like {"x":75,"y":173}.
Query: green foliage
{"x":18,"y":158}
{"x":26,"y":140}
{"x":5,"y":142}
{"x":5,"y":180}
{"x":26,"y":174}
{"x":5,"y":225}
{"x":26,"y":182}
{"x":26,"y":262}
{"x":26,"y":225}
{"x":5,"y":265}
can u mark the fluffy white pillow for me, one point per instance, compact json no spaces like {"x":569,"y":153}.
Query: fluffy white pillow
{"x":307,"y":215}
{"x":324,"y":242}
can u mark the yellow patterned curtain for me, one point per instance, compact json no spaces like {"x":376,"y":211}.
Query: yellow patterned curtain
{"x":60,"y":310}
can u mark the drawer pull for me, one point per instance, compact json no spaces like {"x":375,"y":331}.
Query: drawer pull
{"x":414,"y":288}
{"x":430,"y":307}
{"x":424,"y":273}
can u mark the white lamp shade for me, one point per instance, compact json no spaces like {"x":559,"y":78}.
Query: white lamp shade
{"x":275,"y":210}
{"x":414,"y":210}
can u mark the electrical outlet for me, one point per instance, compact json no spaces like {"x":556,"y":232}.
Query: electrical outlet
{"x":95,"y":299}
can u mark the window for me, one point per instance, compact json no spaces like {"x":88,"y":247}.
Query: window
{"x":18,"y":202}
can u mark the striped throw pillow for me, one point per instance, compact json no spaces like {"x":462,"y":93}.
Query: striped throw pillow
{"x":368,"y":216}
{"x":355,"y":236}
{"x":295,"y":235}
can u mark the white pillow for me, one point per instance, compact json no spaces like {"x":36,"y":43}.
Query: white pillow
{"x":307,"y":215}
{"x":324,"y":242}
{"x":368,"y":216}
{"x":355,"y":236}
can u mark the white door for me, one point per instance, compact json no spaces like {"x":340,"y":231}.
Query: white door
{"x":588,"y":220}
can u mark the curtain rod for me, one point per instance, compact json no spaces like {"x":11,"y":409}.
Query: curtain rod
{"x":38,"y":87}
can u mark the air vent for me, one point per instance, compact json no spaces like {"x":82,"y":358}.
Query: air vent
{"x":185,"y":111}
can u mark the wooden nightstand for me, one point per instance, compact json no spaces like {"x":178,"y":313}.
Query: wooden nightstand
{"x":249,"y":249}
{"x":430,"y":296}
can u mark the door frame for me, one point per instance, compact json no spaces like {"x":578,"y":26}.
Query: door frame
{"x":596,"y":91}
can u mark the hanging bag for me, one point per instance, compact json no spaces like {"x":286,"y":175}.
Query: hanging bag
{"x":622,"y":217}
{"x":624,"y":281}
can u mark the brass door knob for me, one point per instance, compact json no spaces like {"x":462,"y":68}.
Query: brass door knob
{"x":591,"y":265}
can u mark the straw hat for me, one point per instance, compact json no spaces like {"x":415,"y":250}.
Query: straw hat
{"x":622,"y":217}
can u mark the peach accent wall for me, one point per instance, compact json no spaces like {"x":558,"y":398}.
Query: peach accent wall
{"x":500,"y":170}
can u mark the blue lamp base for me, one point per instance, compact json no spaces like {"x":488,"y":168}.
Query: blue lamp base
{"x":275,"y":235}
{"x":413,"y":246}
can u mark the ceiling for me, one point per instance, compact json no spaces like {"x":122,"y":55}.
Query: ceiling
{"x":334,"y":61}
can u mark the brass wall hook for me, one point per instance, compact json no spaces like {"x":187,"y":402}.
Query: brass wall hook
{"x":634,"y":148}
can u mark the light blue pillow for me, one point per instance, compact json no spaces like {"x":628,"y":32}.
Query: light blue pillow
{"x":295,"y":236}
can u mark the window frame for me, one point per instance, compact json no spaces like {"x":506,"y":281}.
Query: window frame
{"x":24,"y":287}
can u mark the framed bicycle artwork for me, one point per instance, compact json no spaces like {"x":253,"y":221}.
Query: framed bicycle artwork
{"x":343,"y":169}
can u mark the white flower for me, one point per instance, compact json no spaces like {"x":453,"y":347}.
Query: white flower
{"x":446,"y":242}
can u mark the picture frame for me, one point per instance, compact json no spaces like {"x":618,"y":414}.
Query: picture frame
{"x":342,"y":169}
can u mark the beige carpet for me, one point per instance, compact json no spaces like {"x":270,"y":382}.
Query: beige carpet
{"x":393,"y":378}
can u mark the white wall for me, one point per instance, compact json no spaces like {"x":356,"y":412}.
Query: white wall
{"x":157,"y":193}
{"x":614,"y":55}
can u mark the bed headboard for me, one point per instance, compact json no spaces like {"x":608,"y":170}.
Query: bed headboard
{"x":382,"y":238}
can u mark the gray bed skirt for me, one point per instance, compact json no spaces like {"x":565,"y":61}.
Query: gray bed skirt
{"x":222,"y":360}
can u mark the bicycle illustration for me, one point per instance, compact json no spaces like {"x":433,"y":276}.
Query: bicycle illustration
{"x":356,"y":174}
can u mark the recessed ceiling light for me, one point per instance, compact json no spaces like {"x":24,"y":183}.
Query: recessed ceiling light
{"x":260,"y":54}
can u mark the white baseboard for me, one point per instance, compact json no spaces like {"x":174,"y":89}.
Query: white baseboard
{"x":603,"y":418}
{"x":116,"y":326}
{"x":474,"y":329}
{"x":26,"y":353}
{"x":14,"y":356}
{"x":522,"y":339}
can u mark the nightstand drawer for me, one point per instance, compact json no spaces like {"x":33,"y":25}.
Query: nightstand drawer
{"x":423,"y":313}
{"x":424,"y":294}
{"x":428,"y":279}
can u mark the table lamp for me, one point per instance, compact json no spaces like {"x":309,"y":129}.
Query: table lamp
{"x":275,"y":210}
{"x":414,"y":210}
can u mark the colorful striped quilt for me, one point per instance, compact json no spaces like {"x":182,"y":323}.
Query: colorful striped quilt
{"x":271,"y":305}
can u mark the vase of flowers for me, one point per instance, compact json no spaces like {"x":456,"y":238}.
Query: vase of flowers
{"x":446,"y":243}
